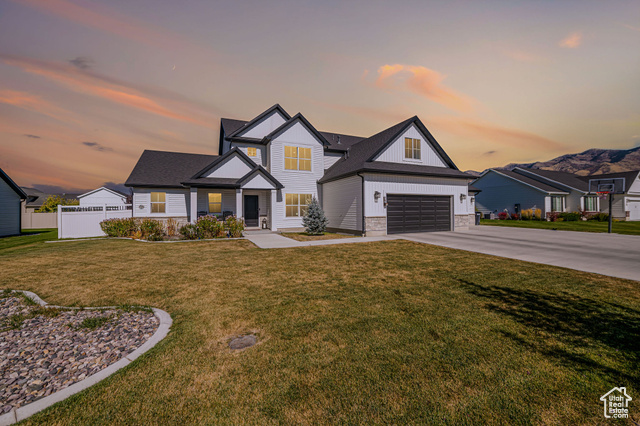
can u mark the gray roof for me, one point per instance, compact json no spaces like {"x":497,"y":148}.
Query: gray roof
{"x":5,"y":177}
{"x":360,"y":156}
{"x":629,"y":178}
{"x":529,"y":181}
{"x":36,"y":198}
{"x":167,"y":169}
{"x":569,"y":179}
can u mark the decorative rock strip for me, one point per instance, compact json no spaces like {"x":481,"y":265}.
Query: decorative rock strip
{"x":48,"y":354}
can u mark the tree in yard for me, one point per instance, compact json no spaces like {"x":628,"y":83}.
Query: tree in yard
{"x":314,"y":220}
{"x":51,"y":204}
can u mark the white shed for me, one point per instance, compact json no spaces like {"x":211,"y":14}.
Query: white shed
{"x":11,"y":195}
{"x":102,"y":196}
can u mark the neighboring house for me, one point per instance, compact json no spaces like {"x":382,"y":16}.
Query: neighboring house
{"x":103,"y":196}
{"x":551,"y":191}
{"x":36,"y":198}
{"x":11,"y":196}
{"x":269,"y":168}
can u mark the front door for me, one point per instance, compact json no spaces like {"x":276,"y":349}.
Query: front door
{"x":251,"y":212}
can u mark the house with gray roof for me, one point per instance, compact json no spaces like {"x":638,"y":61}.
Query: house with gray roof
{"x":269,"y":168}
{"x":552,"y":191}
{"x":11,"y":195}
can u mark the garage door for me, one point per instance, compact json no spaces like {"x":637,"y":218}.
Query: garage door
{"x":418,"y":213}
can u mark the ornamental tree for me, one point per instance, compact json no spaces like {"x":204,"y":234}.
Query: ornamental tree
{"x":314,"y":220}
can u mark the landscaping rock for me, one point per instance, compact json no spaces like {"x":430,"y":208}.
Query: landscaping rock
{"x":243,"y":342}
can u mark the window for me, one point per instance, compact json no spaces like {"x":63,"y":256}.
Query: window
{"x":557,"y":203}
{"x":296,"y":204}
{"x":158,"y":202}
{"x":215,"y":202}
{"x":412,"y":148}
{"x":252,"y":152}
{"x":590,"y":203}
{"x":297,"y":158}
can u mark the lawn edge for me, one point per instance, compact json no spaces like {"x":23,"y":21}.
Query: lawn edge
{"x":21,"y":413}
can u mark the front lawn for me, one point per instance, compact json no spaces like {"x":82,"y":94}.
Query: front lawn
{"x":303,"y":236}
{"x":29,"y":236}
{"x":630,"y":228}
{"x":385,"y":332}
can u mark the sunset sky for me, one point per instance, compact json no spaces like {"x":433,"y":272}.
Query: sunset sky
{"x":86,"y":86}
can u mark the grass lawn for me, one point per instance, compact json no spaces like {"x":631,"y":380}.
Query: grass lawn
{"x":630,"y":228}
{"x":303,"y":236}
{"x":29,"y":236}
{"x":384,"y":332}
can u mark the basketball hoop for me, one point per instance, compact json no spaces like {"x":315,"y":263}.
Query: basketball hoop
{"x":602,"y":194}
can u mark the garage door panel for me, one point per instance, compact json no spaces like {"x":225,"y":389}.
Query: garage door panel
{"x":418,"y":213}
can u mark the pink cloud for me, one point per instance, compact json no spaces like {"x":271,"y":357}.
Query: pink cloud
{"x":571,"y":41}
{"x":35,"y":103}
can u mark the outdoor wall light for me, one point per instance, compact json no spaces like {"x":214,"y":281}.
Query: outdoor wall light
{"x":376,"y":195}
{"x":463,"y":197}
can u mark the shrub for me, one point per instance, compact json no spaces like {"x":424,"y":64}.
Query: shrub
{"x":189,"y":232}
{"x":314,"y":220}
{"x":570,"y":217}
{"x":515,"y":216}
{"x":503,"y":215}
{"x":537,"y":214}
{"x":51,"y":204}
{"x":119,"y":227}
{"x":152,"y":230}
{"x":234,"y":226}
{"x":600,"y":217}
{"x":553,"y":216}
{"x":209,"y":227}
{"x":526,"y":214}
{"x":171,"y":227}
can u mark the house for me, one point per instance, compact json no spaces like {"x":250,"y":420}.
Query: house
{"x":36,"y":198}
{"x":269,"y":168}
{"x":102,"y":196}
{"x":10,"y":198}
{"x":551,"y":191}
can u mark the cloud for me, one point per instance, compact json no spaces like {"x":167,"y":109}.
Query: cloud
{"x":424,"y":82}
{"x":489,"y":153}
{"x":34,"y":103}
{"x":571,"y":41}
{"x":631,"y":27}
{"x":522,"y":56}
{"x":162,"y":103}
{"x":81,"y":62}
{"x":97,"y":146}
{"x":26,"y":135}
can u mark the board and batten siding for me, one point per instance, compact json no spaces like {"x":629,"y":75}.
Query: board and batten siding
{"x":233,"y":167}
{"x":264,"y":127}
{"x":9,"y":210}
{"x":294,"y":181}
{"x":330,"y":159}
{"x":342,"y":203}
{"x":415,"y":185}
{"x":501,"y":192}
{"x":260,"y":158}
{"x":177,"y":202}
{"x":395,"y":153}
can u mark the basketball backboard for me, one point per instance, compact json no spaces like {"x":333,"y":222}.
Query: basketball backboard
{"x":610,"y":185}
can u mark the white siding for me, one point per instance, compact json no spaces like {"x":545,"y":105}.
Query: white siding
{"x":264,"y":127}
{"x":102,"y":197}
{"x":394,"y":153}
{"x":260,"y":157}
{"x":258,"y":182}
{"x":9,"y":210}
{"x":342,"y":203}
{"x":295,"y":181}
{"x":177,"y":202}
{"x":228,"y":199}
{"x":635,"y":186}
{"x":500,"y":192}
{"x":234,"y":167}
{"x":330,"y":159}
{"x":398,"y":184}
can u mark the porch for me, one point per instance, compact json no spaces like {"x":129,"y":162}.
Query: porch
{"x":254,"y":206}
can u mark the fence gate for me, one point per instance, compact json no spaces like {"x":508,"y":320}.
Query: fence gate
{"x":84,"y":221}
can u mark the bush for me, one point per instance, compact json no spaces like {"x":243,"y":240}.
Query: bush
{"x":171,"y":227}
{"x":208,"y":227}
{"x":234,"y":226}
{"x":526,"y":214}
{"x":314,"y":220}
{"x":570,"y":217}
{"x":122,"y":227}
{"x":515,"y":216}
{"x":553,"y":216}
{"x":537,"y":214}
{"x":152,"y":230}
{"x":503,"y":215}
{"x":600,"y":217}
{"x":189,"y":232}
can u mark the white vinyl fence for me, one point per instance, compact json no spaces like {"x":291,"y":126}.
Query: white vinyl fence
{"x":33,"y":220}
{"x":84,"y":221}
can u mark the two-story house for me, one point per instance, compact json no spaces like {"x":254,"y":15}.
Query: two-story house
{"x":269,"y":168}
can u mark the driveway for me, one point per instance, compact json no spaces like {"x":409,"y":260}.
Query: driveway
{"x":607,"y":254}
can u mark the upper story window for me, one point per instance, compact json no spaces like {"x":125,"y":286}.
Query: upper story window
{"x":215,"y":202}
{"x":158,"y":202}
{"x":252,"y":152}
{"x":412,"y":148}
{"x":297,"y":158}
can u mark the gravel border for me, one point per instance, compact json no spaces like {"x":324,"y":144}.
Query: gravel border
{"x":21,"y":413}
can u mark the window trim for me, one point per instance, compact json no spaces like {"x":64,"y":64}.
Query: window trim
{"x":297,"y":158}
{"x":159,"y":203}
{"x":595,"y":203}
{"x":209,"y":202}
{"x":298,"y":205}
{"x":414,"y":141}
{"x":561,"y":197}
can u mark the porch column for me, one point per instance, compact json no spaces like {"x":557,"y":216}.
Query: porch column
{"x":239,"y":205}
{"x":272,"y":219}
{"x":193,"y":205}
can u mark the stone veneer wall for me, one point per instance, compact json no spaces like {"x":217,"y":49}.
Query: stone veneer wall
{"x":462,"y":222}
{"x":375,"y":226}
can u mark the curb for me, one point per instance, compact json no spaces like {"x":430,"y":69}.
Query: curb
{"x":21,"y":413}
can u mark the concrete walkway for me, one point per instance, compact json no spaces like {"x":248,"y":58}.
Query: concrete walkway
{"x":272,"y":240}
{"x":607,"y":254}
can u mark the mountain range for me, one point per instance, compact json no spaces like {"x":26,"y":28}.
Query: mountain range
{"x":593,"y":161}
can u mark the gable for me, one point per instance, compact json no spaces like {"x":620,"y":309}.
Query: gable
{"x":395,"y":151}
{"x":258,"y":182}
{"x":265,"y":126}
{"x":234,"y":167}
{"x":298,"y":133}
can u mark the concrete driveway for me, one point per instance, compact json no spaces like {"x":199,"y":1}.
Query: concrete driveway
{"x":607,"y":254}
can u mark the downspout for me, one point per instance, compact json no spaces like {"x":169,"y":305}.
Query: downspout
{"x":363,"y":225}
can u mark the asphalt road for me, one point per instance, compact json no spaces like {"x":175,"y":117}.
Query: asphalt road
{"x":607,"y":254}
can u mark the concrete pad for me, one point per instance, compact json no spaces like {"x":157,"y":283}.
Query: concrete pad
{"x":607,"y":254}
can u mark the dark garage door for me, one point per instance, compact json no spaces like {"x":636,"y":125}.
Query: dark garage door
{"x":418,"y":213}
